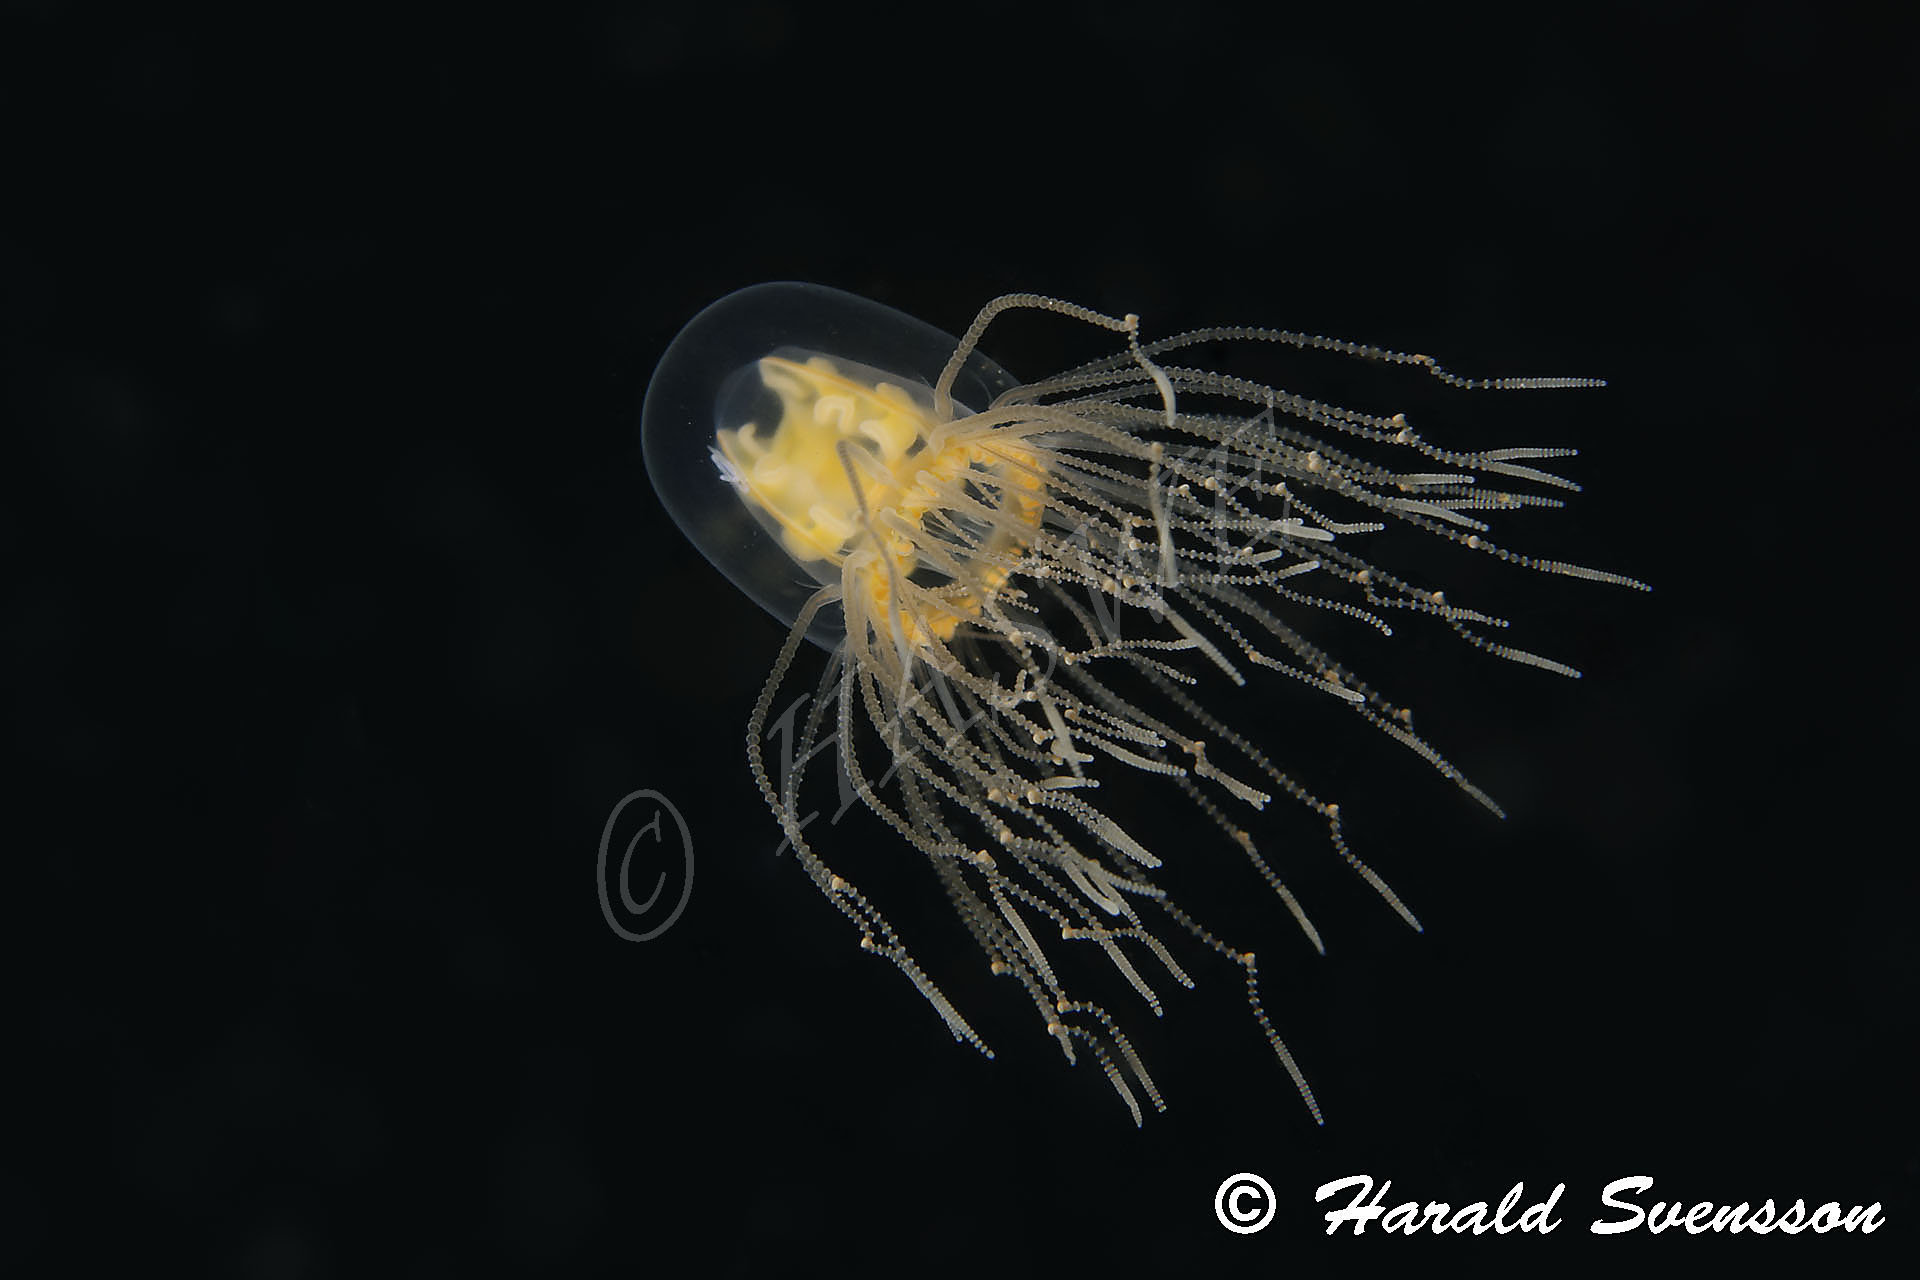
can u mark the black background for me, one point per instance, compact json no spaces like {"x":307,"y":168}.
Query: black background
{"x":342,"y":614}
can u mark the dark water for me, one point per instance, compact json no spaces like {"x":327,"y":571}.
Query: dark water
{"x":342,"y":616}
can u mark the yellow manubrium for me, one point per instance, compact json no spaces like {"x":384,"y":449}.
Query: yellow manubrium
{"x":907,"y":465}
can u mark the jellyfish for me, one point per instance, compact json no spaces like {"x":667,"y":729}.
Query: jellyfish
{"x":1031,"y":593}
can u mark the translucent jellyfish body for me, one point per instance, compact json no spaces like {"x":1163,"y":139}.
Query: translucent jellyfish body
{"x":1030,"y":591}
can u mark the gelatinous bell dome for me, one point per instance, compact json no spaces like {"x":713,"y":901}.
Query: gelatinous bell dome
{"x":706,"y":384}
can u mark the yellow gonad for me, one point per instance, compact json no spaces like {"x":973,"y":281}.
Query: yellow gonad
{"x":860,"y":476}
